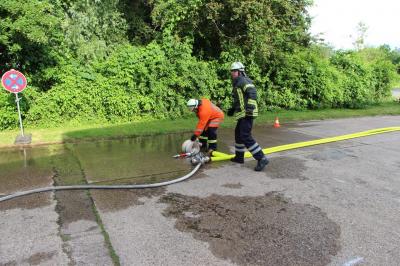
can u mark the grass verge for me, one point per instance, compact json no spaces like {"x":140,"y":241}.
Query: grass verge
{"x":68,"y":133}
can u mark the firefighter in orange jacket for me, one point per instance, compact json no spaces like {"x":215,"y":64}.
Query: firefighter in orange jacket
{"x":210,"y":117}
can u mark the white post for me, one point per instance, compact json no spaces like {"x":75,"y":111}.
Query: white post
{"x":19,"y":114}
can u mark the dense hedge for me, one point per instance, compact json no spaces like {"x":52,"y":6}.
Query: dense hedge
{"x":132,"y":84}
{"x":108,"y":63}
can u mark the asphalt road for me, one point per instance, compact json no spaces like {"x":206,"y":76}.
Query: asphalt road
{"x":332,"y":204}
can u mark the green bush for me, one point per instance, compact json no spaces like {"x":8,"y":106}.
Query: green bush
{"x":8,"y":110}
{"x":132,"y":84}
{"x":123,"y":60}
{"x":305,"y":79}
{"x":366,"y":77}
{"x":383,"y":70}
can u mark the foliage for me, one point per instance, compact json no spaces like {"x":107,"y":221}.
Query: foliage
{"x":133,"y":83}
{"x":92,"y":28}
{"x":359,"y":41}
{"x":260,"y":28}
{"x":120,"y":60}
{"x":367,"y":76}
{"x":393,"y":55}
{"x":137,"y":15}
{"x":29,"y":30}
{"x":305,"y":79}
{"x":8,"y":114}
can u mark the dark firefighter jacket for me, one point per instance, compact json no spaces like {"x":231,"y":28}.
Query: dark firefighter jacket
{"x":244,"y":98}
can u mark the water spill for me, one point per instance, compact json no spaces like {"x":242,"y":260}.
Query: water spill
{"x":123,"y":161}
{"x":265,"y":135}
{"x":73,"y":206}
{"x":330,"y":154}
{"x":130,"y":160}
{"x":24,"y":169}
{"x":109,"y":201}
{"x":286,"y":167}
{"x":233,"y":185}
{"x":39,"y":258}
{"x":267,"y":230}
{"x":147,"y":159}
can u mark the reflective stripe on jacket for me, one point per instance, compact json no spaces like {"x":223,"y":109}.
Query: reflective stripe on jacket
{"x":209,"y":115}
{"x":244,"y":98}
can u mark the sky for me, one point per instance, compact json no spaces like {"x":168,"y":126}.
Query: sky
{"x":338,"y":20}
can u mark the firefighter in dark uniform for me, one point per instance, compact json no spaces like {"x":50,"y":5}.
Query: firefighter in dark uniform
{"x":245,"y":110}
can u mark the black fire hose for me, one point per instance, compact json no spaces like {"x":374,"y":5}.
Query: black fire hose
{"x":77,"y":187}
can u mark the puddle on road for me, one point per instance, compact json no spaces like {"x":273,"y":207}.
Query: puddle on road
{"x":39,"y":258}
{"x":73,"y":206}
{"x":331,"y":154}
{"x":24,"y":169}
{"x":123,"y":161}
{"x":36,"y":259}
{"x":286,"y":167}
{"x":266,"y":230}
{"x":110,"y":201}
{"x":129,"y":160}
{"x":138,"y":160}
{"x":233,"y":185}
{"x":265,"y":135}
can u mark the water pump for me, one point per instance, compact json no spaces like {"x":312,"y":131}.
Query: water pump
{"x":191,"y":150}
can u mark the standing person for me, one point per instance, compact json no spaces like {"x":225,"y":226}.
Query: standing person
{"x":245,"y":109}
{"x":210,"y":117}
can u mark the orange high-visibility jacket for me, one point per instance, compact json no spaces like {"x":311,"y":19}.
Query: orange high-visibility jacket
{"x":209,"y":116}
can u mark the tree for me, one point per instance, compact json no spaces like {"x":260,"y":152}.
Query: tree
{"x":92,"y":29}
{"x":29,"y":33}
{"x":359,"y":42}
{"x":258,"y":28}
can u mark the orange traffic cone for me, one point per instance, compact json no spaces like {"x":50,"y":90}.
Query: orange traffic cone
{"x":276,"y":124}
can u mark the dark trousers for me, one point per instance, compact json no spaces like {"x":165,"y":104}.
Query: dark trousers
{"x":208,"y":139}
{"x":244,"y":139}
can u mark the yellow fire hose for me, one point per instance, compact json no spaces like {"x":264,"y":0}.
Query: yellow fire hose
{"x":220,"y":156}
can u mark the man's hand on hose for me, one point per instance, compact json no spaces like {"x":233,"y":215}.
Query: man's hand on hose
{"x":193,"y":137}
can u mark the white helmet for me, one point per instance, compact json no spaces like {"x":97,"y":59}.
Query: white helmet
{"x":192,"y":104}
{"x":237,"y":66}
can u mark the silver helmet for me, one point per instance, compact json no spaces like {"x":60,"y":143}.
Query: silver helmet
{"x":237,"y":66}
{"x":192,"y":104}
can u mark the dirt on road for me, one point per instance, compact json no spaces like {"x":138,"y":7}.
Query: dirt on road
{"x":266,"y":230}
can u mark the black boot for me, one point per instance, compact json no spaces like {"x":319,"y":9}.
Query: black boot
{"x":239,"y":157}
{"x":261,"y":164}
{"x":237,"y":160}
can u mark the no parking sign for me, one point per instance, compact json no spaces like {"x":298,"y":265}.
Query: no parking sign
{"x":14,"y":81}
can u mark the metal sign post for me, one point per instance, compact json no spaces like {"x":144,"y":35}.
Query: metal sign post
{"x":14,"y":81}
{"x":19,"y":114}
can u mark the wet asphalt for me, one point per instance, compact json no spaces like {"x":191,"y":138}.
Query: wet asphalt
{"x":332,"y":204}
